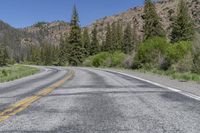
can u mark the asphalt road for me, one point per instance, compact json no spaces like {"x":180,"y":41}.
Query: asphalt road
{"x":96,"y":101}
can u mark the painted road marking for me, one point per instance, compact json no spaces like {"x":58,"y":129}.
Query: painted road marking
{"x":25,"y":103}
{"x":187,"y":94}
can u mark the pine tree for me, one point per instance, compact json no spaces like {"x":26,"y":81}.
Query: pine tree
{"x":127,"y":40}
{"x":76,"y":49}
{"x":114,"y":37}
{"x":94,"y":48}
{"x":63,"y":51}
{"x":182,"y":28}
{"x":3,"y":56}
{"x":152,"y":25}
{"x":108,"y":47}
{"x":86,"y":42}
{"x":119,"y":32}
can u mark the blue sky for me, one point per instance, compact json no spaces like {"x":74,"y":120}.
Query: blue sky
{"x":22,"y":13}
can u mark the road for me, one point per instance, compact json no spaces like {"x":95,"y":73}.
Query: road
{"x":96,"y":101}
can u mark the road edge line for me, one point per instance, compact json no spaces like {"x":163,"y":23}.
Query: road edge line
{"x":185,"y":93}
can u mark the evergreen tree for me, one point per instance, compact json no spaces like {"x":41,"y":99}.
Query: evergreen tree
{"x":3,"y":56}
{"x":76,"y":49}
{"x":114,"y":37}
{"x":63,"y":51}
{"x":119,"y":32}
{"x":86,"y":42}
{"x":152,"y":25}
{"x":35,"y":55}
{"x":94,"y":48}
{"x":108,"y":47}
{"x":182,"y":28}
{"x":127,"y":40}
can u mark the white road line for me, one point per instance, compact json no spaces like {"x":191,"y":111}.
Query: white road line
{"x":159,"y":85}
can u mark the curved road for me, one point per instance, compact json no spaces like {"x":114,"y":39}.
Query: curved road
{"x":96,"y":101}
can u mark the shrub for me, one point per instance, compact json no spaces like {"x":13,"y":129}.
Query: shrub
{"x":184,"y":65}
{"x":117,"y":59}
{"x":196,"y":55}
{"x":177,"y":51}
{"x":151,"y":53}
{"x":105,"y":59}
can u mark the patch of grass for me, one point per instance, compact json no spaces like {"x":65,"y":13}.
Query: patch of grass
{"x":13,"y":72}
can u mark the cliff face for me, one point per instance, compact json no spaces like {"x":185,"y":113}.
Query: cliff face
{"x":50,"y":33}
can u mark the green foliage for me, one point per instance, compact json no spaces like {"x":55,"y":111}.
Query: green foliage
{"x":76,"y":49}
{"x":13,"y":72}
{"x":196,"y":55}
{"x":152,"y":26}
{"x":108,"y":46}
{"x":127,"y":40}
{"x":119,"y":36}
{"x":105,"y":59}
{"x":86,"y":41}
{"x":151,"y":53}
{"x":178,"y":51}
{"x":63,"y":51}
{"x":94,"y":46}
{"x":40,"y":24}
{"x":3,"y":56}
{"x":182,"y":28}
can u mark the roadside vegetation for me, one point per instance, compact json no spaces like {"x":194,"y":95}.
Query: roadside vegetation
{"x":176,"y":55}
{"x":12,"y":72}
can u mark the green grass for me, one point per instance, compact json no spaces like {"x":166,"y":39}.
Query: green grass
{"x":13,"y":72}
{"x":175,"y":75}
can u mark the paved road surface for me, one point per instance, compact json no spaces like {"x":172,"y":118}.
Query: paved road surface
{"x":101,"y":102}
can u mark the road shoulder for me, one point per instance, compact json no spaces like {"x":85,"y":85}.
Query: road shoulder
{"x":189,"y":86}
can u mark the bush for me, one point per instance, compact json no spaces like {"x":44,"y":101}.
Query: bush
{"x":105,"y":59}
{"x":196,"y":55}
{"x":117,"y":59}
{"x":151,"y":53}
{"x":177,"y":51}
{"x":184,"y":65}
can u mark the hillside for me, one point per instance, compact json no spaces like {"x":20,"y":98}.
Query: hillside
{"x":166,"y":9}
{"x":18,"y":40}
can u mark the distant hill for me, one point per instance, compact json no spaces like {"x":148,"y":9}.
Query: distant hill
{"x":18,"y":40}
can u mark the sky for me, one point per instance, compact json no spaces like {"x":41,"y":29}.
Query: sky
{"x":22,"y":13}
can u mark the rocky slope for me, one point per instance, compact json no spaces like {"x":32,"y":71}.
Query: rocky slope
{"x":166,"y":9}
{"x":18,"y":40}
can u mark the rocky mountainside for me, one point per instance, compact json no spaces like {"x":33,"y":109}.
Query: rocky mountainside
{"x":17,"y":40}
{"x":50,"y":33}
{"x":166,"y":9}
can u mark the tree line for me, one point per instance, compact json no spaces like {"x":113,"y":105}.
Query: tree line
{"x":79,"y":44}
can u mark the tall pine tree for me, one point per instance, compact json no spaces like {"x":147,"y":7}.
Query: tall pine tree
{"x":63,"y":51}
{"x":86,"y":42}
{"x":182,"y":28}
{"x":152,"y":25}
{"x":76,"y":49}
{"x":3,"y":56}
{"x":119,"y":34}
{"x":108,"y":46}
{"x":127,"y":40}
{"x":94,"y":48}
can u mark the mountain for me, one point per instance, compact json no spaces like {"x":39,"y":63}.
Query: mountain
{"x":19,"y":40}
{"x":167,"y":10}
{"x":44,"y":32}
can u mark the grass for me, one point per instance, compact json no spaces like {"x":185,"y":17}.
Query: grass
{"x":175,"y":75}
{"x":13,"y":72}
